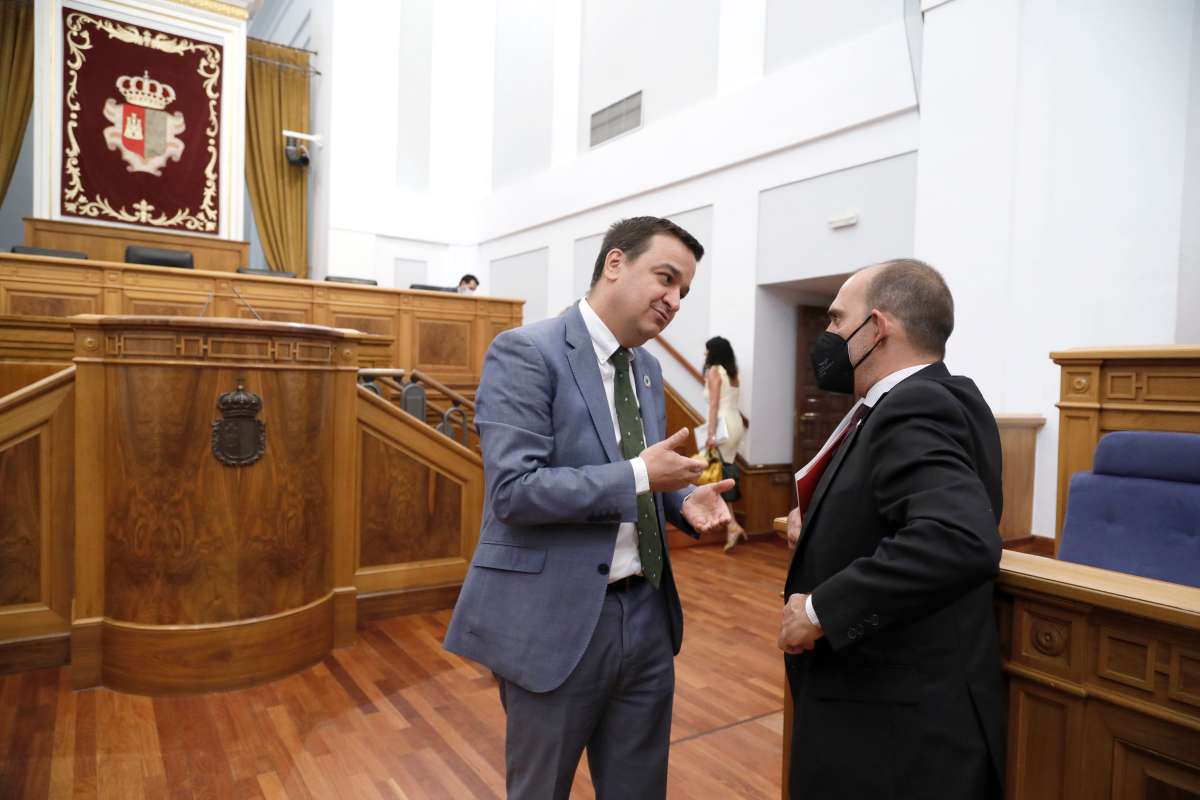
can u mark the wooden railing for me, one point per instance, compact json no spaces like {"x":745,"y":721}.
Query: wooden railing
{"x":37,"y":522}
{"x":420,"y":501}
{"x":678,"y":356}
{"x":390,"y":382}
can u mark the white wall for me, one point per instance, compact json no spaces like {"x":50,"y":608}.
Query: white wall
{"x":407,"y":271}
{"x":667,"y":50}
{"x":796,"y":31}
{"x":794,"y":236}
{"x":1049,"y":189}
{"x":17,"y":202}
{"x":1187,"y":316}
{"x":524,"y":88}
{"x":586,"y":250}
{"x":413,"y":32}
{"x":523,"y":275}
{"x":1041,"y":173}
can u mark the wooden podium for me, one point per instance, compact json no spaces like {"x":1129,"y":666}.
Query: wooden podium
{"x":214,"y":524}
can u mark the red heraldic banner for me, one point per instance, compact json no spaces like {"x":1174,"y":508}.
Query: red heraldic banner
{"x":141,"y":125}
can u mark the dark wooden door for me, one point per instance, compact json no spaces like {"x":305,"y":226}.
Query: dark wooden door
{"x":817,"y":412}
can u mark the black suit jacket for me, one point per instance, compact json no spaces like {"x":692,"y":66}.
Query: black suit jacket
{"x":903,"y":695}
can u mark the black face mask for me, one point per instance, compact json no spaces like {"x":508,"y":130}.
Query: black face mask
{"x":830,"y":356}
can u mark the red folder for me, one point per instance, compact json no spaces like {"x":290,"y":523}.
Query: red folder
{"x":810,"y":474}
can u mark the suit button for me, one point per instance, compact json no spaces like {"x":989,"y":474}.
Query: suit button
{"x":873,"y":619}
{"x":852,"y":634}
{"x":602,"y":569}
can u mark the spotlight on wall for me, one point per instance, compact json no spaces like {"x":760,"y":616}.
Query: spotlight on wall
{"x":294,"y":148}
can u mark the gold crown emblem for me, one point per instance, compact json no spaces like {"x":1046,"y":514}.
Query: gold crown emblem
{"x":145,"y":91}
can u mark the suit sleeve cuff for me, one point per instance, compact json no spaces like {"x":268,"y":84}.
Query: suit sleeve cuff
{"x":812,"y":612}
{"x":641,"y":478}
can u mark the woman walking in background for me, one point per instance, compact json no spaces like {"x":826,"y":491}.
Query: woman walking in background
{"x":721,"y":396}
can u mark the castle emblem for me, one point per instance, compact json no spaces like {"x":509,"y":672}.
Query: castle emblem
{"x":145,"y":134}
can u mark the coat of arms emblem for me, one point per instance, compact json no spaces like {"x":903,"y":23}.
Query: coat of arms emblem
{"x":239,"y":438}
{"x":145,"y":134}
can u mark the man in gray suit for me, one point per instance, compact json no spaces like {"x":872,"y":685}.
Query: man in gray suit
{"x":570,"y":598}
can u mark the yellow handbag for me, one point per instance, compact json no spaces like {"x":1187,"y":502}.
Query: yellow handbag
{"x":711,"y":473}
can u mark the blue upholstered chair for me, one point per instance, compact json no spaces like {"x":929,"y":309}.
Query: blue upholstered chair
{"x":1138,"y":510}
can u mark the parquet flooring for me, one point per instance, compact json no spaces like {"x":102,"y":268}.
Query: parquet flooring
{"x":395,"y":716}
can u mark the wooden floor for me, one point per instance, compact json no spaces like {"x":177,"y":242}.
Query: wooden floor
{"x":396,"y":716}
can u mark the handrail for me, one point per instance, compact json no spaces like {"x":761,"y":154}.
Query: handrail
{"x":412,"y":423}
{"x":421,"y":377}
{"x":695,"y":373}
{"x":47,"y":384}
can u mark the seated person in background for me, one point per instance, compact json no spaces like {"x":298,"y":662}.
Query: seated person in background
{"x":468,"y":284}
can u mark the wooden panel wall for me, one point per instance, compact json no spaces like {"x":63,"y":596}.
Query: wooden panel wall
{"x":420,"y":505}
{"x":1104,"y":682}
{"x":225,"y":543}
{"x":1117,"y":389}
{"x":36,"y":522}
{"x":445,"y":335}
{"x":1018,"y":444}
{"x":108,"y":243}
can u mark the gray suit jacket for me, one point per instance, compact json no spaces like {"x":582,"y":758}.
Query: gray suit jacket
{"x":557,"y":486}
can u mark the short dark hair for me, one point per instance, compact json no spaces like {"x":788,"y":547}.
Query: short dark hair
{"x":918,"y":296}
{"x":468,"y":278}
{"x":632,"y":237}
{"x":719,"y":352}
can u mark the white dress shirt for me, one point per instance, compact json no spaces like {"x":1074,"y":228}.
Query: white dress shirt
{"x":878,"y":390}
{"x":625,"y":560}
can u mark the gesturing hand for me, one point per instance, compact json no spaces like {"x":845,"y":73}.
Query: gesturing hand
{"x":705,"y":510}
{"x":668,"y":471}
{"x":796,"y":631}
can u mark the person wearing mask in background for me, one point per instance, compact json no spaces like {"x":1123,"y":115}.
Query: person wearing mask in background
{"x":468,"y":284}
{"x":892,"y":652}
{"x":721,"y":390}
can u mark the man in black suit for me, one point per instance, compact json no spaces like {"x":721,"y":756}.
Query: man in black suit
{"x":890,"y":640}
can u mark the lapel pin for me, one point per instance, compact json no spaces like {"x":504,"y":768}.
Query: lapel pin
{"x":646,"y":381}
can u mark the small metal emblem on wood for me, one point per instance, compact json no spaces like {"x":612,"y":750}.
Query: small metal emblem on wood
{"x":239,"y":438}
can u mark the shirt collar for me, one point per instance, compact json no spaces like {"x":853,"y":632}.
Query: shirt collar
{"x":604,"y":342}
{"x":888,"y":382}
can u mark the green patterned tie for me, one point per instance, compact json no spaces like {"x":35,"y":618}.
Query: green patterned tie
{"x":633,"y":442}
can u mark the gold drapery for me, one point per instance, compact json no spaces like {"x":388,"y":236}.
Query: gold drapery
{"x":16,"y":83}
{"x":277,"y":99}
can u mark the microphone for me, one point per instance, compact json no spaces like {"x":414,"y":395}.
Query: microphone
{"x":245,"y":303}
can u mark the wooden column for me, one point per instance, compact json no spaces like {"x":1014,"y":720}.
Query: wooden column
{"x":192,"y":574}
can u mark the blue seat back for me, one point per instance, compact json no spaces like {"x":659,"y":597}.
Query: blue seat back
{"x":1138,"y":510}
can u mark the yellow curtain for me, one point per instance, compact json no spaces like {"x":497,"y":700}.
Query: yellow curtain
{"x":277,"y":99}
{"x":16,"y":83}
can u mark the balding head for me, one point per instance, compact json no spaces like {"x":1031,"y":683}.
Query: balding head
{"x":917,"y":296}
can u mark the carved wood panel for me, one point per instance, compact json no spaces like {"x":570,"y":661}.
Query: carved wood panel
{"x":1044,"y":731}
{"x":442,"y":345}
{"x":21,"y":524}
{"x":189,"y":540}
{"x":377,"y":324}
{"x":409,"y":511}
{"x":48,"y":303}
